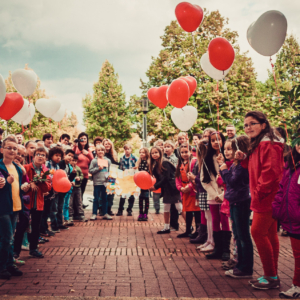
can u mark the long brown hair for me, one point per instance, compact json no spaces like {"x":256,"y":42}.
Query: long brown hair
{"x":156,"y":164}
{"x":268,"y":131}
{"x":243,"y":144}
{"x":201,"y":153}
{"x":147,"y":153}
{"x":177,"y":172}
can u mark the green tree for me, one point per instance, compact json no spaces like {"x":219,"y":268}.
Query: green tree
{"x":40,"y":124}
{"x":106,"y":112}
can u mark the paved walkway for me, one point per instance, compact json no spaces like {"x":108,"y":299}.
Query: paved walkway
{"x":126,"y":258}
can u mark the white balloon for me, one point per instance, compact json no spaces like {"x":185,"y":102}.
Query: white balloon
{"x":57,"y":117}
{"x":23,"y":114}
{"x":47,"y":107}
{"x":2,"y":90}
{"x":31,"y":114}
{"x":267,"y":34}
{"x":25,"y":81}
{"x":210,"y":70}
{"x":184,"y":118}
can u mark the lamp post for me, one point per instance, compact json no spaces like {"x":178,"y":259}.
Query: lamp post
{"x":145,"y":108}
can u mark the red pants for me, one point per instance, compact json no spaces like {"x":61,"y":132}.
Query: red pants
{"x":264,"y":233}
{"x":296,"y":251}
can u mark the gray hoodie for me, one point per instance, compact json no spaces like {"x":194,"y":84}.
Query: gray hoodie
{"x":99,"y":176}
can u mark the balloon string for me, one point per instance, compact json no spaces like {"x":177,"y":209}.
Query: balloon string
{"x":165,"y":114}
{"x":227,"y":96}
{"x":218,"y":114}
{"x":278,"y":95}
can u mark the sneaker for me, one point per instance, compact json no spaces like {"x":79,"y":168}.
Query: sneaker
{"x":145,"y":217}
{"x":93,"y":217}
{"x":19,"y":261}
{"x":163,"y":231}
{"x":26,"y":248}
{"x":140,"y":218}
{"x":236,"y":273}
{"x":208,"y":248}
{"x":266,"y":283}
{"x":120,"y":213}
{"x":37,"y":254}
{"x":107,"y":217}
{"x":14,"y":271}
{"x":55,"y":230}
{"x":228,"y":265}
{"x":4,"y":274}
{"x":69,"y":223}
{"x":44,"y":239}
{"x":173,"y":228}
{"x":292,"y":293}
{"x":51,"y":233}
{"x":203,"y":246}
{"x":63,"y":227}
{"x":129,"y":214}
{"x":41,"y":241}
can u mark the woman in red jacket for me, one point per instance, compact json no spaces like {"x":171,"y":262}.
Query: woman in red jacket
{"x":265,"y":172}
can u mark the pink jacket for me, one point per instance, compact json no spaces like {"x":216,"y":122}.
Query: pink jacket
{"x":191,"y":186}
{"x":84,"y":161}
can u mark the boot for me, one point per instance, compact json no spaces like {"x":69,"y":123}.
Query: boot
{"x":188,"y":225}
{"x":226,"y":238}
{"x":218,"y":250}
{"x":195,"y":234}
{"x":202,"y":235}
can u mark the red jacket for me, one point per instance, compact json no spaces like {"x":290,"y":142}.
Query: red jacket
{"x":265,"y":172}
{"x":44,"y":187}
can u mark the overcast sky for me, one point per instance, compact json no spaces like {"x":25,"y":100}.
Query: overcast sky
{"x":66,"y":42}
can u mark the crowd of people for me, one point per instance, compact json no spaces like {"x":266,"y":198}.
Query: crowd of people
{"x":217,"y":182}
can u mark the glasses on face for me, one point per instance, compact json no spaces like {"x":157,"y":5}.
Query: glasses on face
{"x":249,"y":125}
{"x":40,"y":155}
{"x":11,"y":149}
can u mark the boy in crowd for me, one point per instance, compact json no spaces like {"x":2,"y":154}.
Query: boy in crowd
{"x":169,"y":152}
{"x":58,"y":203}
{"x":48,"y":140}
{"x":30,"y":148}
{"x":64,"y":139}
{"x":76,"y":199}
{"x":55,"y":156}
{"x":20,"y":138}
{"x":11,"y":203}
{"x":127,"y":162}
{"x":36,"y":192}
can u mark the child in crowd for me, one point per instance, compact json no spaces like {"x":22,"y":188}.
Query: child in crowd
{"x":127,"y":162}
{"x":36,"y":169}
{"x":160,"y":144}
{"x":186,"y":189}
{"x":97,"y":141}
{"x":99,"y":168}
{"x":76,"y":197}
{"x":30,"y":148}
{"x":286,"y":209}
{"x":111,"y":154}
{"x":215,"y":196}
{"x":236,"y":178}
{"x":143,"y":165}
{"x":164,"y":172}
{"x":196,"y":140}
{"x":58,"y":203}
{"x":169,"y":152}
{"x":265,"y":172}
{"x":56,"y":154}
{"x":11,"y":205}
{"x":181,"y":138}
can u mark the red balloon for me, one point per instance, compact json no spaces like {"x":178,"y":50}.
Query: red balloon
{"x":158,"y":96}
{"x":192,"y":82}
{"x":60,"y":182}
{"x":143,"y":180}
{"x":178,"y":93}
{"x":189,"y":16}
{"x":221,"y":53}
{"x":12,"y":104}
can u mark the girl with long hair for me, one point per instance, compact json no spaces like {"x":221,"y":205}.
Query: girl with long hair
{"x":265,"y":172}
{"x":164,"y":172}
{"x":186,"y":188}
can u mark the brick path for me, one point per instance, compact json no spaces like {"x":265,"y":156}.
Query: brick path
{"x":126,"y":258}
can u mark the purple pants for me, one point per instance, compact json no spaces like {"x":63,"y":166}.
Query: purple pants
{"x":218,"y":218}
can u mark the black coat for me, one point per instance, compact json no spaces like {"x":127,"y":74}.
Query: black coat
{"x":166,"y":180}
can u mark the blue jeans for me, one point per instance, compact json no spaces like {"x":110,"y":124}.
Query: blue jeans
{"x":240,"y":215}
{"x":156,"y":201}
{"x":66,"y":205}
{"x":100,"y":192}
{"x":56,"y":213}
{"x":7,"y":229}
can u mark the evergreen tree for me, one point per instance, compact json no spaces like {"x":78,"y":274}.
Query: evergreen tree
{"x":106,"y":112}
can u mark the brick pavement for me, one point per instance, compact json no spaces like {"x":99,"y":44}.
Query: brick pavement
{"x":126,"y":258}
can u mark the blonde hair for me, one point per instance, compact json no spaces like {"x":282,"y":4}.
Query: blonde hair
{"x":127,"y":146}
{"x":10,"y":138}
{"x":98,"y":147}
{"x":209,"y":129}
{"x":158,"y":141}
{"x":112,"y":150}
{"x":147,"y":157}
{"x":169,"y":142}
